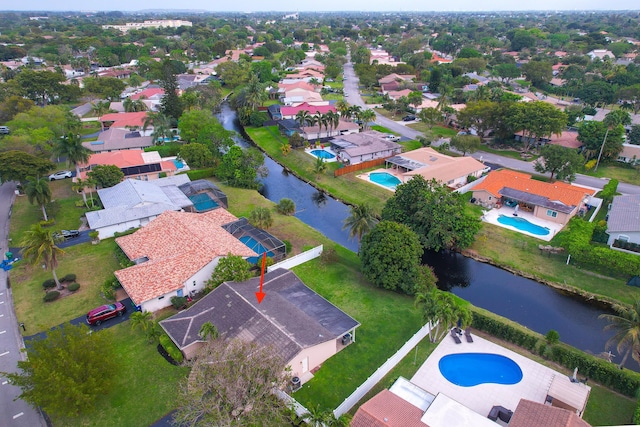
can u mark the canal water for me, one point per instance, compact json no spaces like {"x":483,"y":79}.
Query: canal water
{"x":534,"y":305}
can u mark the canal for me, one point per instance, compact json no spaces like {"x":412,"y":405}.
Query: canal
{"x":532,"y":304}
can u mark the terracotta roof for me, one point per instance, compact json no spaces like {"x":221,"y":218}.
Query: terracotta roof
{"x":178,"y":245}
{"x":312,"y":109}
{"x":128,"y":158}
{"x":395,"y":94}
{"x":567,"y":194}
{"x":148,"y":93}
{"x":386,"y":409}
{"x":532,"y":414}
{"x":121,"y":120}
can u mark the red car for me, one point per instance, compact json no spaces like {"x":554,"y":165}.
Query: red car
{"x":105,"y":312}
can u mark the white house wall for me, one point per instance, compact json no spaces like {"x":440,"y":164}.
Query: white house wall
{"x":634,"y":236}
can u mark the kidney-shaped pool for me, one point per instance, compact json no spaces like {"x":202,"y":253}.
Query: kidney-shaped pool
{"x":471,"y":369}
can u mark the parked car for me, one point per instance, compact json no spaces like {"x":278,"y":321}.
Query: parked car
{"x":105,"y":312}
{"x":67,"y":234}
{"x":60,"y":175}
{"x":4,"y":130}
{"x":394,"y":138}
{"x":409,"y":118}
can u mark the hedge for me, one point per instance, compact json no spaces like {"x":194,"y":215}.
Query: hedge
{"x":51,"y":296}
{"x":171,"y":348}
{"x":49,"y":283}
{"x":200,"y":174}
{"x":73,"y":287}
{"x":603,"y":372}
{"x":69,"y":278}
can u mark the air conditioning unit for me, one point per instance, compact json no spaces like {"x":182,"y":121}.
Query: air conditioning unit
{"x":346,"y":339}
{"x":295,"y":383}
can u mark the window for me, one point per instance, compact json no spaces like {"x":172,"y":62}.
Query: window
{"x":179,"y":293}
{"x":162,"y":297}
{"x":551,"y":213}
{"x":623,"y":238}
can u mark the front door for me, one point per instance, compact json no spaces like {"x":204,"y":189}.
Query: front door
{"x":305,"y":364}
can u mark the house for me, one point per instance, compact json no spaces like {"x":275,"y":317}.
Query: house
{"x":115,"y":139}
{"x":630,"y":154}
{"x":623,"y":221}
{"x":566,"y":138}
{"x":290,"y":112}
{"x":175,"y":255}
{"x":288,"y":126}
{"x":124,"y":120}
{"x":134,"y":204}
{"x":393,"y":77}
{"x":133,"y":163}
{"x":397,"y":94}
{"x":360,"y":147}
{"x":451,"y":171}
{"x":344,"y":127}
{"x":149,"y":93}
{"x":302,"y":327}
{"x":298,"y":84}
{"x":274,"y":112}
{"x":601,"y":54}
{"x":557,"y":201}
{"x":298,"y":96}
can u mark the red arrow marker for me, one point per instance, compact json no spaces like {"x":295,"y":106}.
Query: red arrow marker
{"x":260,"y":295}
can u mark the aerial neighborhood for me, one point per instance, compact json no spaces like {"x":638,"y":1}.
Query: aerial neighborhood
{"x":334,"y":219}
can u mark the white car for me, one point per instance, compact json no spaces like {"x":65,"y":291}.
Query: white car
{"x":60,"y":175}
{"x":394,"y":138}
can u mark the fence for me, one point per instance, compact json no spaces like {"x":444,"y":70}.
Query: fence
{"x":383,"y":370}
{"x":358,"y":167}
{"x":297,"y":259}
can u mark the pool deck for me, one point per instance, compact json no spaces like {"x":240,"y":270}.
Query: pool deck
{"x":536,"y":378}
{"x":492,"y":218}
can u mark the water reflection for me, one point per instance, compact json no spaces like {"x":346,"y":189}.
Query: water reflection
{"x":319,"y":198}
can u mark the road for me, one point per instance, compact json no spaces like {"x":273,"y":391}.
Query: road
{"x":352,"y":86}
{"x":13,"y":413}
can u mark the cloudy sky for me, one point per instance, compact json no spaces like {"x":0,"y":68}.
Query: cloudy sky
{"x":326,"y":5}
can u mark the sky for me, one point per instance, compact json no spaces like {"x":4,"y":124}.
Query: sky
{"x":320,"y":6}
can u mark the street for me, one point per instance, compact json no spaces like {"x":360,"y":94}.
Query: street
{"x":12,"y":413}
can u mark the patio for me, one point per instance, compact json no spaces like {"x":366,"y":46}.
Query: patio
{"x":537,"y":382}
{"x":492,"y":218}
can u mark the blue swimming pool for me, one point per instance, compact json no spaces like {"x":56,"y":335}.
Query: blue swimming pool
{"x":257,"y":247}
{"x":385,"y":179}
{"x":202,"y":202}
{"x":471,"y":369}
{"x":523,"y":224}
{"x":178,"y":163}
{"x":323,"y":154}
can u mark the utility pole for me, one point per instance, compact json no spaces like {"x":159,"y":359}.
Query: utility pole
{"x":601,"y":149}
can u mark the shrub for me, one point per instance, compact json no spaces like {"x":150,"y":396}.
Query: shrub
{"x":168,"y":149}
{"x":69,"y":278}
{"x":552,"y":337}
{"x":288,"y":246}
{"x":178,"y":302}
{"x":200,"y":174}
{"x":51,"y":296}
{"x":49,"y":283}
{"x":286,"y":206}
{"x":73,"y":287}
{"x":171,"y":348}
{"x":636,"y":415}
{"x":122,"y":258}
{"x":108,"y":288}
{"x":124,"y":233}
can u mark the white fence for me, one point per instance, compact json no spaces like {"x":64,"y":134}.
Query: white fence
{"x":383,"y":370}
{"x":470,"y":185}
{"x":298,"y":259}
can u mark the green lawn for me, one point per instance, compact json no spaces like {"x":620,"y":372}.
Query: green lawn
{"x":383,"y":129}
{"x":615,"y":170}
{"x":608,"y":408}
{"x":144,"y":390}
{"x":435,"y":131}
{"x":507,"y":153}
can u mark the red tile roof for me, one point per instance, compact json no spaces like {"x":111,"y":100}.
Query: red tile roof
{"x":312,"y":109}
{"x":127,"y":158}
{"x":148,"y":93}
{"x":386,"y":409}
{"x":178,"y":245}
{"x":568,"y":194}
{"x":121,"y":120}
{"x":532,"y":414}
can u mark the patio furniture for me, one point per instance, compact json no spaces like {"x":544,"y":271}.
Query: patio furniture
{"x":500,"y":412}
{"x":467,"y":334}
{"x":455,"y":337}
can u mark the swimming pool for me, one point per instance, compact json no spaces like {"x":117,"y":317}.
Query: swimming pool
{"x":257,"y":247}
{"x":323,"y":154}
{"x":523,"y":224}
{"x":471,"y":369}
{"x":385,"y":179}
{"x":202,"y":202}
{"x":179,"y":164}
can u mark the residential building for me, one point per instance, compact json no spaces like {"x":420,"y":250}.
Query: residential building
{"x":290,"y":112}
{"x":175,"y":255}
{"x":430,"y":164}
{"x":368,"y":145}
{"x":302,"y":327}
{"x":133,"y":163}
{"x":601,"y":54}
{"x":630,"y":154}
{"x":567,"y":139}
{"x":344,"y":127}
{"x":623,"y":221}
{"x":115,"y":139}
{"x":154,"y":23}
{"x":556,"y":201}
{"x":124,"y":120}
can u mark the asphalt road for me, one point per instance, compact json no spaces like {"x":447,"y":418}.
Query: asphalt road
{"x":13,"y":413}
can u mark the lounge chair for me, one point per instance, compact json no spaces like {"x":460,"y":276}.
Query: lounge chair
{"x":455,"y":337}
{"x":467,"y":334}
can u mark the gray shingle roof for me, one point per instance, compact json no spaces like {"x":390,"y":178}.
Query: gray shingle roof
{"x":291,"y":317}
{"x":122,"y":214}
{"x":624,"y":214}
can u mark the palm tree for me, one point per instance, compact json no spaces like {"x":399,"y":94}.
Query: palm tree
{"x":343,"y":108}
{"x":208,"y":330}
{"x":360,"y":221}
{"x":37,"y":189}
{"x":333,"y":120}
{"x":100,"y":108}
{"x":367,"y":116}
{"x":141,"y":319}
{"x":261,"y":217}
{"x":161,"y":125}
{"x":39,"y":248}
{"x":354,"y":112}
{"x":319,"y":167}
{"x":70,"y":146}
{"x":286,"y":206}
{"x":131,"y":106}
{"x":626,"y":324}
{"x":441,"y":309}
{"x":303,"y":117}
{"x":78,"y":186}
{"x":316,"y":417}
{"x":322,"y":120}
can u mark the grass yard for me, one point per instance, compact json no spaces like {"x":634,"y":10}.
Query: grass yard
{"x":92,"y":264}
{"x":382,"y":129}
{"x":608,"y":408}
{"x":144,"y":389}
{"x":508,"y":153}
{"x":435,"y":131}
{"x":388,"y":320}
{"x":615,"y":170}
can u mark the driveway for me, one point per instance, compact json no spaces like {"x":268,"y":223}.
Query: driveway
{"x":13,"y":411}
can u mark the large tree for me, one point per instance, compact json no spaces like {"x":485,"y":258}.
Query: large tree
{"x":39,"y":248}
{"x":241,"y":168}
{"x":536,"y":120}
{"x":171,"y":104}
{"x":37,"y":190}
{"x":561,"y":162}
{"x":466,"y":143}
{"x":67,"y":371}
{"x":597,"y":93}
{"x":18,"y":165}
{"x":232,"y":383}
{"x":196,"y":155}
{"x":626,"y":325}
{"x":40,"y":86}
{"x":105,"y":176}
{"x":538,"y":72}
{"x":391,"y":256}
{"x":434,"y":213}
{"x":105,"y":87}
{"x":592,"y":135}
{"x":477,"y":115}
{"x":506,"y":72}
{"x":430,"y":116}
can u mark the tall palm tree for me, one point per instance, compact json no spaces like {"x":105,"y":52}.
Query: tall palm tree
{"x":37,"y":189}
{"x":333,"y":120}
{"x":100,"y":108}
{"x":39,"y":248}
{"x":354,"y":112}
{"x":322,"y":120}
{"x":367,"y":116}
{"x":70,"y":146}
{"x":360,"y":221}
{"x":161,"y":125}
{"x":78,"y":186}
{"x":343,"y":108}
{"x":626,"y":324}
{"x":303,"y":117}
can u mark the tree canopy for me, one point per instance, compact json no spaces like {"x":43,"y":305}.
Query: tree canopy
{"x":18,"y":165}
{"x":561,"y":162}
{"x":106,"y":176}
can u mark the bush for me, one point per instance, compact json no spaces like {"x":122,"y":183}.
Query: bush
{"x":49,"y":283}
{"x":69,"y":278}
{"x":73,"y":287}
{"x":108,"y":288}
{"x":288,"y":246}
{"x":122,"y":258}
{"x":168,"y":149}
{"x":171,"y":348}
{"x":286,"y":206}
{"x":200,"y":174}
{"x":51,"y":296}
{"x":552,"y":337}
{"x":179,"y":302}
{"x":636,"y":415}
